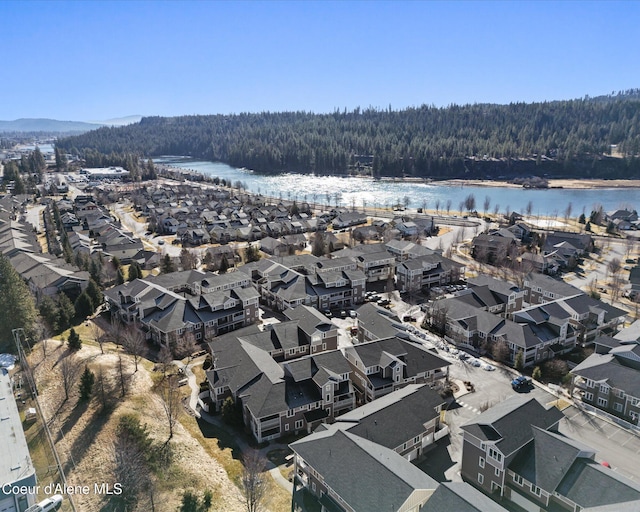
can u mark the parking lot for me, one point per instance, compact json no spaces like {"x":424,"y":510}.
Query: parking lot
{"x":491,"y":385}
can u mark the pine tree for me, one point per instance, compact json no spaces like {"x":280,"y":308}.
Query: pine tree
{"x":519,"y":362}
{"x":84,"y":306}
{"x":74,"y":341}
{"x":66,"y":312}
{"x":135,"y":271}
{"x":318,"y":247}
{"x":120,"y":276}
{"x":167,"y":266}
{"x":94,"y":292}
{"x":17,"y":307}
{"x":224,"y":265}
{"x":87,"y":380}
{"x":251,"y":253}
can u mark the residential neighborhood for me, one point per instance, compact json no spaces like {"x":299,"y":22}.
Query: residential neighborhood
{"x":346,"y":339}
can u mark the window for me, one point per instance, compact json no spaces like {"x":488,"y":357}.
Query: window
{"x":298,"y":424}
{"x":290,"y":413}
{"x":617,"y":407}
{"x":620,"y":393}
{"x":416,"y":440}
{"x":480,"y":478}
{"x":588,"y":397}
{"x":517,"y":479}
{"x":495,"y":454}
{"x":481,"y":462}
{"x":328,"y":398}
{"x":602,"y":402}
{"x":536,"y":490}
{"x":604,"y":389}
{"x":495,"y":486}
{"x":286,"y":427}
{"x":497,"y":471}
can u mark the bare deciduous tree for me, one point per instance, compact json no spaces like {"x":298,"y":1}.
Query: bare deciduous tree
{"x":116,"y":329}
{"x":500,"y":351}
{"x":170,"y":401}
{"x":165,"y":359}
{"x":133,"y":343}
{"x":255,"y":482}
{"x":103,"y":388}
{"x":486,"y":204}
{"x":130,"y":469}
{"x":98,"y":335}
{"x":69,"y":371}
{"x":123,"y":376}
{"x":188,"y":259}
{"x":186,"y":347}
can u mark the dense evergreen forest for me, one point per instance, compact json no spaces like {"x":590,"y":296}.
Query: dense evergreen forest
{"x":590,"y":137}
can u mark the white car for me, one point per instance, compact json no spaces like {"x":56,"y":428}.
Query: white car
{"x":51,"y":503}
{"x":474,"y":362}
{"x":488,"y":367}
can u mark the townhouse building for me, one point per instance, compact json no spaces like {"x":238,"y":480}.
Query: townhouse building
{"x":610,"y":380}
{"x":514,"y":453}
{"x":426,"y":271}
{"x":201,"y":303}
{"x":276,"y":399}
{"x":382,"y":366}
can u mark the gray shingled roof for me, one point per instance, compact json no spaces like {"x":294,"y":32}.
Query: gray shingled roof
{"x":511,"y":421}
{"x":460,"y":497}
{"x":588,"y":483}
{"x":378,"y":420}
{"x":608,"y":368}
{"x":371,"y":477}
{"x":546,"y":460}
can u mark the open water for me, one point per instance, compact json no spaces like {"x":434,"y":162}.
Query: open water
{"x":386,"y":193}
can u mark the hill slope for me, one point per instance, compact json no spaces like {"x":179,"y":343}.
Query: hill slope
{"x":557,"y":138}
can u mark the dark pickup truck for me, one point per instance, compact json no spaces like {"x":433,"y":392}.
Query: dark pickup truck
{"x":521,"y":383}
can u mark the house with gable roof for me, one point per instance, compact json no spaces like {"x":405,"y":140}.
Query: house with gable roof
{"x":354,"y":483}
{"x":277,"y":399}
{"x":554,"y":472}
{"x":492,"y":440}
{"x":382,"y":366}
{"x":610,"y":379}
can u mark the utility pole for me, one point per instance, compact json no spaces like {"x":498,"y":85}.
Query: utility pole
{"x":26,"y":368}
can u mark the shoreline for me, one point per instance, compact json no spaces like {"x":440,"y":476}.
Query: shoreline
{"x":569,"y":183}
{"x":554,"y":183}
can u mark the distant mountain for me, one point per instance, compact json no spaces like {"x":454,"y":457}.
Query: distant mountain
{"x":47,"y":125}
{"x":119,"y":121}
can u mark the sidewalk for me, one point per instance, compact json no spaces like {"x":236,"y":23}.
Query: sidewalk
{"x":194,"y":405}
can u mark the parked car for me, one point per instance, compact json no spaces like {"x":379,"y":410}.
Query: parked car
{"x":488,"y":367}
{"x":51,"y":503}
{"x":521,"y":383}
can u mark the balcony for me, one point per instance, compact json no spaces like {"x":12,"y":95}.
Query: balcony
{"x":270,"y":424}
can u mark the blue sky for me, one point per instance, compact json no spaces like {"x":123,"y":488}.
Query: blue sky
{"x":91,"y":60}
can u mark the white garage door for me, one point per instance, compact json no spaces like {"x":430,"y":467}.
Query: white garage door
{"x":7,"y":505}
